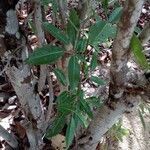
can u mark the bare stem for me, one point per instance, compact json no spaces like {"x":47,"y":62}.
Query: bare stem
{"x":41,"y":38}
{"x":51,"y":97}
{"x":107,"y":115}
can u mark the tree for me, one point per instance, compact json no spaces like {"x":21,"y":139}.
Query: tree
{"x":62,"y":49}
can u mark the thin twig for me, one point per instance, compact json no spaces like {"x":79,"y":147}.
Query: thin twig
{"x":41,"y":38}
{"x":51,"y":96}
{"x":63,"y":11}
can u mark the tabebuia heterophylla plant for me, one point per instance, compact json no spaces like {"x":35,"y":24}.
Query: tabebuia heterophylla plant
{"x":72,"y":103}
{"x":45,"y":55}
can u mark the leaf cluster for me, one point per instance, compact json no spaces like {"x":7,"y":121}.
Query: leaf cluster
{"x":73,"y":108}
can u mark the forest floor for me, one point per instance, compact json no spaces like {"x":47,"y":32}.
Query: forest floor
{"x":138,"y":138}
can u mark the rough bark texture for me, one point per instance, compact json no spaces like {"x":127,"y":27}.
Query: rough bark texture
{"x":41,"y":40}
{"x":21,"y":77}
{"x":119,"y":99}
{"x":104,"y":120}
{"x":121,"y":51}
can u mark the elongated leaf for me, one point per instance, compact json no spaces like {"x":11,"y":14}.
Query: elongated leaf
{"x":54,"y":6}
{"x":142,"y":119}
{"x":70,"y":132}
{"x":56,"y":32}
{"x":82,"y":118}
{"x":95,"y":31}
{"x":84,"y":106}
{"x":65,"y":102}
{"x":100,"y":32}
{"x":120,"y":133}
{"x":105,"y":4}
{"x":138,"y":52}
{"x":115,"y":15}
{"x":60,"y":76}
{"x":97,"y":80}
{"x":81,"y":45}
{"x":94,"y":63}
{"x":45,"y":55}
{"x":76,"y":119}
{"x":73,"y":72}
{"x":57,"y":126}
{"x":73,"y":26}
{"x":109,"y":31}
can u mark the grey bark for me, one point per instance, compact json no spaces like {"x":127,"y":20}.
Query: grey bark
{"x":119,"y":99}
{"x":10,"y":139}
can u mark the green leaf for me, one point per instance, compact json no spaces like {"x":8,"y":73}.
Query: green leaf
{"x":109,"y":31}
{"x":142,"y":119}
{"x":54,"y":6}
{"x":70,"y":132}
{"x":60,"y":76}
{"x":84,"y":105}
{"x":115,"y":15}
{"x":85,"y":66}
{"x":82,"y":118}
{"x":73,"y":26}
{"x":65,"y":102}
{"x":73,"y":72}
{"x":76,"y":119}
{"x":105,"y":4}
{"x":100,"y":32}
{"x":137,"y":30}
{"x":45,"y":55}
{"x":56,"y":32}
{"x":81,"y":58}
{"x":94,"y":102}
{"x":32,"y":26}
{"x":81,"y":45}
{"x":95,"y":30}
{"x":45,"y":2}
{"x":57,"y":126}
{"x":118,"y":131}
{"x":97,"y":80}
{"x":138,"y":52}
{"x":94,"y":63}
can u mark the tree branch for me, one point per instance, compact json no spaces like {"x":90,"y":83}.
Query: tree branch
{"x":119,"y":100}
{"x":104,"y":120}
{"x":51,"y":97}
{"x":121,"y":51}
{"x":21,"y":78}
{"x":41,"y":40}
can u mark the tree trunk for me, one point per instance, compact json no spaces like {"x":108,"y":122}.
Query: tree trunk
{"x":120,"y":100}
